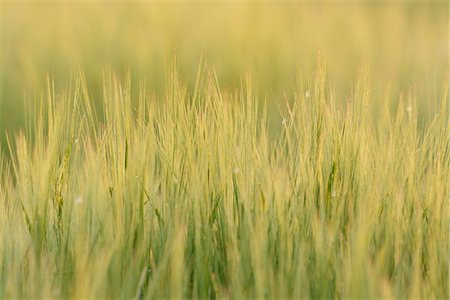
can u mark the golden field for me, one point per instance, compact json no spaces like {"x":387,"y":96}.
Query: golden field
{"x":224,"y":149}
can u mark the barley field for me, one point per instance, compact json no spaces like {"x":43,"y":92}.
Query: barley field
{"x":236,"y":150}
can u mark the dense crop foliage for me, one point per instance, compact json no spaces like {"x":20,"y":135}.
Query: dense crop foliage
{"x":190,"y":197}
{"x":215,"y":150}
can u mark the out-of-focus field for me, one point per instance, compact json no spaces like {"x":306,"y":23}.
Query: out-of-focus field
{"x":224,"y":150}
{"x":403,"y":46}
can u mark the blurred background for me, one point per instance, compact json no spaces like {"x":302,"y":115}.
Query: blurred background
{"x":402,"y":45}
